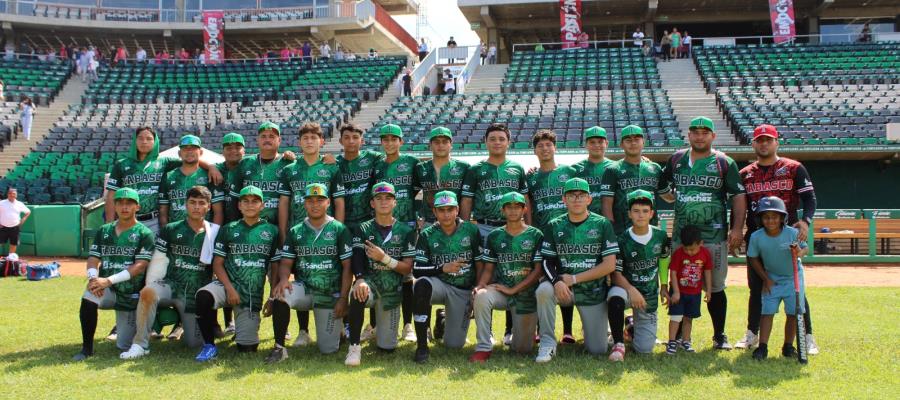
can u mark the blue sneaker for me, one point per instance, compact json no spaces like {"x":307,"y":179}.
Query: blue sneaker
{"x":207,"y":352}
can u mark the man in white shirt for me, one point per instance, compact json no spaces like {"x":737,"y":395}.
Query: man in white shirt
{"x":325,"y":51}
{"x":449,"y":83}
{"x":638,"y":37}
{"x":13,"y":214}
{"x":492,"y":54}
{"x":141,"y":55}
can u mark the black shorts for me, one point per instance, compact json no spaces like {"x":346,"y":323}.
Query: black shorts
{"x":10,"y":235}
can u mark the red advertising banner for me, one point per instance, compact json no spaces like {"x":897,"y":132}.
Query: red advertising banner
{"x":569,"y":22}
{"x":214,"y":36}
{"x":782,"y":14}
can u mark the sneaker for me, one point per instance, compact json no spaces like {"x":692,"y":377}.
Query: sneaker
{"x":354,"y":354}
{"x":207,"y":352}
{"x":177,"y":332}
{"x":82,"y":355}
{"x":421,"y":354}
{"x":618,"y":353}
{"x":788,"y":351}
{"x":439,"y":324}
{"x":480,"y":356}
{"x":153,"y":335}
{"x":567,"y":339}
{"x":112,"y":335}
{"x":672,"y":347}
{"x":750,"y":340}
{"x":507,"y":339}
{"x":760,"y":353}
{"x":409,"y":333}
{"x":303,"y":339}
{"x":545,"y":354}
{"x":278,"y":354}
{"x":811,"y":347}
{"x":686,"y":345}
{"x":229,"y":330}
{"x":721,"y":343}
{"x":136,"y":351}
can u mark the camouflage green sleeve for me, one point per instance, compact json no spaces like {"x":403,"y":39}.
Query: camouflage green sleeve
{"x":523,"y":186}
{"x":95,"y":246}
{"x":338,"y":191}
{"x":609,"y":183}
{"x":170,"y":163}
{"x":162,"y":240}
{"x":344,"y":244}
{"x":488,"y":253}
{"x":162,"y":196}
{"x":733,"y":183}
{"x":610,"y":243}
{"x":410,"y":245}
{"x":665,"y":178}
{"x":145,"y":251}
{"x":221,"y":247}
{"x":470,"y":184}
{"x":114,"y":181}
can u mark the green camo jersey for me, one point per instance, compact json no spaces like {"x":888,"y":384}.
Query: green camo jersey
{"x":546,"y":191}
{"x":185,"y":274}
{"x":174,"y":187}
{"x":295,"y":178}
{"x":117,"y":253}
{"x":486,"y":183}
{"x":593,"y":174}
{"x":437,"y":248}
{"x":514,"y":258}
{"x":359,"y":176}
{"x":430,"y":182}
{"x":623,"y":177}
{"x":144,"y":176}
{"x":248,"y":250}
{"x":639,"y":263}
{"x":701,"y":191}
{"x":400,"y":243}
{"x":400,"y":173}
{"x":317,"y":255}
{"x":230,"y":189}
{"x":267,"y":177}
{"x":579,"y":248}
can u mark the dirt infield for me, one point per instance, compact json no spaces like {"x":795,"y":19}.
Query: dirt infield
{"x":820,"y":276}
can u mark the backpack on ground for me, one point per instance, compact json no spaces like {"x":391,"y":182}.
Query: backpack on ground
{"x":40,"y":272}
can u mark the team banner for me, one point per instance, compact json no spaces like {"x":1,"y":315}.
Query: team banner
{"x":782,"y":15}
{"x":570,"y":22}
{"x":214,"y":36}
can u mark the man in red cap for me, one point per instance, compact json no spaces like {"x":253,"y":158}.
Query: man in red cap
{"x":771,"y":175}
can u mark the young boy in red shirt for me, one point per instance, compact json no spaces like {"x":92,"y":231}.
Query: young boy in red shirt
{"x":689,"y":271}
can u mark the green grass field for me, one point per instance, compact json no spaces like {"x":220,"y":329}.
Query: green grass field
{"x":858,"y":334}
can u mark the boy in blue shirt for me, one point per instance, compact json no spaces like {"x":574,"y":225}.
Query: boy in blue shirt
{"x":770,"y":252}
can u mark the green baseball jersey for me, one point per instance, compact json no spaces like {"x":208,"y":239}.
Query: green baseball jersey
{"x":579,"y":248}
{"x":513,"y":258}
{"x":247,"y":251}
{"x":701,"y":191}
{"x":267,"y":177}
{"x":639,"y":263}
{"x":623,"y":177}
{"x":486,"y":183}
{"x":430,"y":181}
{"x":295,"y":178}
{"x":144,"y":177}
{"x":359,"y":176}
{"x":230,"y":189}
{"x":437,"y":248}
{"x":175,"y":185}
{"x":185,"y":274}
{"x":317,"y":255}
{"x":593,"y":174}
{"x":546,"y":191}
{"x":401,"y":174}
{"x":117,"y":252}
{"x":399,"y":243}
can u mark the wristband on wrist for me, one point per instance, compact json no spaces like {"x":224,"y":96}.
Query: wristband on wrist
{"x":120,"y":277}
{"x":92,"y":273}
{"x":574,"y":279}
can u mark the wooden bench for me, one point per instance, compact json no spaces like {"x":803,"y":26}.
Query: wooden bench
{"x":871,"y":225}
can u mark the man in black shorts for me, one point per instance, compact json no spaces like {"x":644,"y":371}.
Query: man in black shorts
{"x":13,"y":214}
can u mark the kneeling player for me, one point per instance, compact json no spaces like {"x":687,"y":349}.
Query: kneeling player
{"x":115,"y":270}
{"x":317,"y":251}
{"x":643,"y":259}
{"x":383,"y":251}
{"x":512,"y":255}
{"x":446,"y":256}
{"x":243,"y":251}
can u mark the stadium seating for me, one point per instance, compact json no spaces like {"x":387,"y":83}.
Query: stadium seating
{"x":581,"y":69}
{"x":39,"y":80}
{"x":9,"y":120}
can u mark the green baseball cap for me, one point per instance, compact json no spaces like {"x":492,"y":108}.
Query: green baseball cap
{"x":269,"y":125}
{"x":445,"y":199}
{"x":440,"y":131}
{"x":315,"y":190}
{"x":594,"y":131}
{"x":233,"y":138}
{"x":632,"y":130}
{"x":391,"y":129}
{"x":189,"y":140}
{"x":640,"y":194}
{"x":383,"y":187}
{"x":512,"y":197}
{"x":702,"y":122}
{"x":251,"y":191}
{"x":127,"y":194}
{"x":575,"y":185}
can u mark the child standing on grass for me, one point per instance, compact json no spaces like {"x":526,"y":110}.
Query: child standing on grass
{"x":770,"y":255}
{"x":690,"y":271}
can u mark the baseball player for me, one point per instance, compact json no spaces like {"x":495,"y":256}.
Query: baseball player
{"x":634,"y":172}
{"x":594,"y":167}
{"x":358,"y":173}
{"x":176,"y":183}
{"x":398,"y":170}
{"x":263,"y":170}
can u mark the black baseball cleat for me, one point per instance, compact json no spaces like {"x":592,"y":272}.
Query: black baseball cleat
{"x":788,"y":350}
{"x":721,"y":343}
{"x":439,"y":324}
{"x":760,"y":353}
{"x":421,"y":355}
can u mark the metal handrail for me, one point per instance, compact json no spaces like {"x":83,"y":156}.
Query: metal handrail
{"x":594,"y":44}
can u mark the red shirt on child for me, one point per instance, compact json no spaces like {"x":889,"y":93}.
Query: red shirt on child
{"x":688,"y":270}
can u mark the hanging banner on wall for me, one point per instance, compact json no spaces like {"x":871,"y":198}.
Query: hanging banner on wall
{"x":782,"y":14}
{"x":214,"y":36}
{"x":569,"y":22}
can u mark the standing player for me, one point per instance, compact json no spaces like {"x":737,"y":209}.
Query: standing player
{"x":512,"y":259}
{"x":357,"y":171}
{"x":176,"y":183}
{"x":788,"y":180}
{"x":579,"y":251}
{"x":317,"y":252}
{"x":243,"y":252}
{"x":594,"y":167}
{"x":263,"y":170}
{"x":446,"y":270}
{"x":634,"y":172}
{"x":383,"y":251}
{"x":233,"y":151}
{"x":702,"y":180}
{"x":439,"y":173}
{"x":398,"y":170}
{"x":115,"y":271}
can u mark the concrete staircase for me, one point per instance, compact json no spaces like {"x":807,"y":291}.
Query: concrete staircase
{"x":689,"y":98}
{"x":44,"y":118}
{"x":368,"y":115}
{"x":487,"y":79}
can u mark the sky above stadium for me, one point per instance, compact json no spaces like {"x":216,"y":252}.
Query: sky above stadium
{"x":444,"y":20}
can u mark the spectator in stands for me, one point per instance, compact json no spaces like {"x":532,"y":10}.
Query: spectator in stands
{"x":183,"y":56}
{"x":483,"y":53}
{"x":285,"y":54}
{"x":676,"y":42}
{"x":407,"y":83}
{"x":41,"y":56}
{"x":263,"y":58}
{"x":63,"y":53}
{"x":51,"y":55}
{"x":449,"y":82}
{"x":423,"y":50}
{"x":666,"y":46}
{"x":27,"y":107}
{"x":584,"y":40}
{"x":865,"y":36}
{"x":492,"y":54}
{"x":140,"y":55}
{"x":351,"y":56}
{"x":325,"y":51}
{"x":686,"y":45}
{"x":13,"y":214}
{"x":10,"y":52}
{"x":452,"y":45}
{"x":201,"y":58}
{"x":339,"y":54}
{"x":121,"y":55}
{"x":647,"y":50}
{"x":307,"y":49}
{"x":638,"y":37}
{"x":539,"y":48}
{"x":373,"y":54}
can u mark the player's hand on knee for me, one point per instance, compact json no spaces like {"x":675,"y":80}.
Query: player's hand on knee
{"x":232,"y":297}
{"x":340,"y":308}
{"x":562,"y":292}
{"x":361,"y":290}
{"x":637,"y":300}
{"x":279,"y":290}
{"x":502,"y":289}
